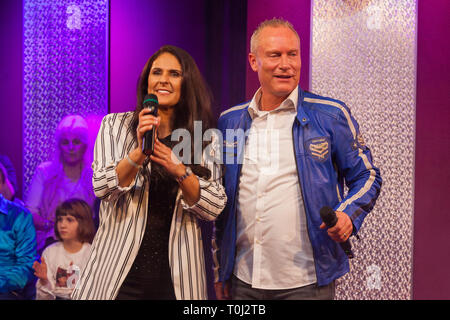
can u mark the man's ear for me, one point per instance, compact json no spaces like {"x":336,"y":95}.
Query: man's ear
{"x":252,"y":61}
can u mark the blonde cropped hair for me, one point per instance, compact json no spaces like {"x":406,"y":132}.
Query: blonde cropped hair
{"x":275,"y":23}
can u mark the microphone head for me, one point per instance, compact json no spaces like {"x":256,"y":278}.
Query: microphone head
{"x":328,"y":216}
{"x":151,"y":102}
{"x":150,"y":99}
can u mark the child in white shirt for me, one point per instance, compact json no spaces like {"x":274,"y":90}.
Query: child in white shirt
{"x":63,"y":261}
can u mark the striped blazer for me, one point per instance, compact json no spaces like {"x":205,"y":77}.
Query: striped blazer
{"x":123,"y":215}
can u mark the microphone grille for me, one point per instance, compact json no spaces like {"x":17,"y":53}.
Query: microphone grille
{"x":328,"y":216}
{"x":151,"y":98}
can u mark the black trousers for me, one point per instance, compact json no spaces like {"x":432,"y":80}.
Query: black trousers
{"x":243,"y":291}
{"x":138,"y":289}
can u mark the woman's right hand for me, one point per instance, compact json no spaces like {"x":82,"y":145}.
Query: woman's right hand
{"x":126,"y":170}
{"x":146,"y":122}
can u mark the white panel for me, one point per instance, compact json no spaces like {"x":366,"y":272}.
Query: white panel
{"x":364,"y":53}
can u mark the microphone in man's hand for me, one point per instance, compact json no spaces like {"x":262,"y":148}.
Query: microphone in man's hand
{"x":330,"y":219}
{"x":150,"y":102}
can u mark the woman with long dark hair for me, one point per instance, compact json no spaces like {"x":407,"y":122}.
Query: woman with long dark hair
{"x":148,"y":245}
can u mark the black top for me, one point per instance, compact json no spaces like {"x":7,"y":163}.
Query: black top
{"x":150,"y":270}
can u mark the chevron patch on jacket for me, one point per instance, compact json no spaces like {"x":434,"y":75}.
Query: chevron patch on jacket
{"x":319,"y":148}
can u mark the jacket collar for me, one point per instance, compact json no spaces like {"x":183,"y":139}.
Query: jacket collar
{"x":291,"y":102}
{"x":302,"y":117}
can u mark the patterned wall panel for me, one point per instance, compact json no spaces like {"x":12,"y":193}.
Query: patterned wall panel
{"x":65,"y":70}
{"x":364,"y":53}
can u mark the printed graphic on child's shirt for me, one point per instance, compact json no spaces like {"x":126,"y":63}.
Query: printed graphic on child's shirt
{"x":67,"y":278}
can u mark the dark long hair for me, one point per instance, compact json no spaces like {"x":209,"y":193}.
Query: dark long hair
{"x":195,"y":99}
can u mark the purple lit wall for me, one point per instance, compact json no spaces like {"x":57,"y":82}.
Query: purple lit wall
{"x":11,"y":84}
{"x":138,"y":29}
{"x":64,"y":71}
{"x":432,"y":176}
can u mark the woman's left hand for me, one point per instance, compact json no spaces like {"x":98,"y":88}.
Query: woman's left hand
{"x":164,"y":156}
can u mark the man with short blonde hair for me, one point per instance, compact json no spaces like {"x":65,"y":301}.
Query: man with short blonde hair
{"x":270,"y":240}
{"x":275,"y":22}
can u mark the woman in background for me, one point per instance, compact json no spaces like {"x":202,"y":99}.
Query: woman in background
{"x":67,"y":175}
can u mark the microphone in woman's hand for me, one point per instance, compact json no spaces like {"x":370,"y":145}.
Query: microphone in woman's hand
{"x":150,"y":102}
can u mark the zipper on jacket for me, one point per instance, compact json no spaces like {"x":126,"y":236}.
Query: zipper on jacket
{"x":304,"y":204}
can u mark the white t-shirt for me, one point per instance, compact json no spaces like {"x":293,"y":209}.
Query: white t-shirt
{"x":63,"y":271}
